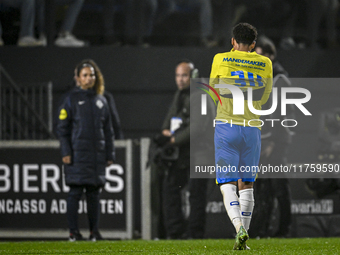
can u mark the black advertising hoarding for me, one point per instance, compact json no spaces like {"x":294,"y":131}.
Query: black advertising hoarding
{"x":33,"y":192}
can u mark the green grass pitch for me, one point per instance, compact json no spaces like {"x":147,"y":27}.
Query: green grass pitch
{"x":207,"y":246}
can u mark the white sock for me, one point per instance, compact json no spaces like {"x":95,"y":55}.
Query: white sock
{"x":247,"y":205}
{"x":232,"y":204}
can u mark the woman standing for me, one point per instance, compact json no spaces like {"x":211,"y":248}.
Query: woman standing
{"x":86,"y":142}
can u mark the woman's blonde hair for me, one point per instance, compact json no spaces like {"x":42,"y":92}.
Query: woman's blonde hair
{"x":99,"y":85}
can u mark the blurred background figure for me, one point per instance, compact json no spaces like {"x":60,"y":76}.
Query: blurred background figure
{"x":266,"y":47}
{"x":65,"y":37}
{"x":275,"y":143}
{"x":289,"y":13}
{"x":177,"y":129}
{"x":223,"y":20}
{"x":27,"y":16}
{"x":115,"y":120}
{"x":183,"y":198}
{"x":137,"y":24}
{"x":319,"y":11}
{"x":204,"y":8}
{"x":293,"y":23}
{"x":109,"y":13}
{"x":307,"y":23}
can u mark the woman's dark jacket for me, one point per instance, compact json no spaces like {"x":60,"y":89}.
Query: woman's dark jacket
{"x":85,"y":133}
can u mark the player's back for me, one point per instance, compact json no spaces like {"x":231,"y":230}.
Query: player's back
{"x":244,"y":70}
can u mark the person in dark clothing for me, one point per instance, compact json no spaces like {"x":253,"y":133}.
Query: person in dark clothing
{"x":176,"y":181}
{"x":114,"y":116}
{"x":176,"y":127}
{"x":86,"y":142}
{"x":276,"y":140}
{"x":118,"y":132}
{"x":116,"y":124}
{"x":267,"y":48}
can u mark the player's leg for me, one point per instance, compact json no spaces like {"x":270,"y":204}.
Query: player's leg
{"x":232,"y":205}
{"x":246,"y":199}
{"x":249,"y":160}
{"x":247,"y":202}
{"x":227,"y":147}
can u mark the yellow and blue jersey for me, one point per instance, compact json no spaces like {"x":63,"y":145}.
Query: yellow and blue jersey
{"x":244,"y":70}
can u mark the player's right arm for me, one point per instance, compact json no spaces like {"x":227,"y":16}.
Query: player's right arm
{"x":214,"y":74}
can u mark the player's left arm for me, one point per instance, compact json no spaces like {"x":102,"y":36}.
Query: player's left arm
{"x":214,"y":76}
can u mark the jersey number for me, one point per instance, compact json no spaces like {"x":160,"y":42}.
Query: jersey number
{"x":243,"y":82}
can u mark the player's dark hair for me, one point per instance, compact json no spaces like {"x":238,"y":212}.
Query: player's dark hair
{"x":244,"y":33}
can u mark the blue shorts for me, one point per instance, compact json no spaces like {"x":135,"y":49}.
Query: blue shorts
{"x":237,"y":152}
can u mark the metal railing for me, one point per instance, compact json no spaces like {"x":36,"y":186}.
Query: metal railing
{"x":25,"y":111}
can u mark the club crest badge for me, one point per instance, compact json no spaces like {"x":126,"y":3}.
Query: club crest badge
{"x":99,"y":104}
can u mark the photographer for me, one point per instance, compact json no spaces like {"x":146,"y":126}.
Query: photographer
{"x":176,"y":148}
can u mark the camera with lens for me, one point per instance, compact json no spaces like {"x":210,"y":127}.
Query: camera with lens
{"x":162,"y":153}
{"x":166,"y":151}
